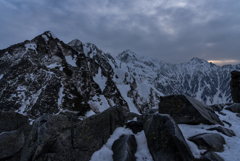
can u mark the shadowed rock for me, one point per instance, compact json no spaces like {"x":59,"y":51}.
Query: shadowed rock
{"x":165,"y":140}
{"x":234,"y":107}
{"x":92,"y":133}
{"x":10,"y":143}
{"x":135,"y":126}
{"x":10,"y":121}
{"x":209,"y":141}
{"x":224,"y":131}
{"x":187,"y":110}
{"x":235,"y":86}
{"x":210,"y":156}
{"x":124,"y":148}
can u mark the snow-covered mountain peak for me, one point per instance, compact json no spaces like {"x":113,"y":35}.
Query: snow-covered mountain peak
{"x":75,"y":43}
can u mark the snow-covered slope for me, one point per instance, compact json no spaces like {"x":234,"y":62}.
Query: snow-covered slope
{"x":197,"y":78}
{"x":45,"y":75}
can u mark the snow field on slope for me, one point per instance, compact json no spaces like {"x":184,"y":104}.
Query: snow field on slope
{"x":105,"y":153}
{"x":100,"y":79}
{"x":124,"y":90}
{"x":231,"y":148}
{"x":70,"y":60}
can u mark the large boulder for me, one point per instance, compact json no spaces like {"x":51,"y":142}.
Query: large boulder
{"x":210,"y":156}
{"x":234,"y":107}
{"x":10,"y":143}
{"x":124,"y":148}
{"x":209,"y":141}
{"x":223,"y":130}
{"x":187,"y":110}
{"x":235,"y":86}
{"x":165,"y":140}
{"x":92,"y":133}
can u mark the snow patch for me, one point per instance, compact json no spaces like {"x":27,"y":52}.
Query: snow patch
{"x":31,"y":46}
{"x":51,"y":66}
{"x":45,"y":37}
{"x":105,"y":153}
{"x":124,"y":90}
{"x":90,"y":113}
{"x":70,"y":60}
{"x":1,"y":76}
{"x":61,"y":95}
{"x":99,"y":103}
{"x":100,"y":80}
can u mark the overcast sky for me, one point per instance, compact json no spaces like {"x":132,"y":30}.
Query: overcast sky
{"x":171,"y":30}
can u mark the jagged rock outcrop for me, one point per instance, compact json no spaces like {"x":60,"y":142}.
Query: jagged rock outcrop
{"x":235,"y":86}
{"x":186,"y":110}
{"x":223,"y":130}
{"x":45,"y":75}
{"x":209,"y":141}
{"x":165,"y":140}
{"x":124,"y":148}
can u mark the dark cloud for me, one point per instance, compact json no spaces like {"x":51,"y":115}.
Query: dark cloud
{"x":170,"y":30}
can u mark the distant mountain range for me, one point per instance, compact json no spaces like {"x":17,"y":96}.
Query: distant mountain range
{"x":45,"y":75}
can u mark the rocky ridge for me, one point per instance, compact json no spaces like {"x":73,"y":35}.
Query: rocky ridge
{"x":74,"y":102}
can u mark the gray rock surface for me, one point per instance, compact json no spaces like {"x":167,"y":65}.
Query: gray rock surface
{"x":165,"y":140}
{"x":187,"y":110}
{"x":209,"y":141}
{"x":124,"y":148}
{"x":10,"y":143}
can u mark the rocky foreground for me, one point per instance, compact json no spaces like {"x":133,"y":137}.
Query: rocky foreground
{"x":65,"y":137}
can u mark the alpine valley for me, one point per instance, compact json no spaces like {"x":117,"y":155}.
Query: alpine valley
{"x":67,"y":101}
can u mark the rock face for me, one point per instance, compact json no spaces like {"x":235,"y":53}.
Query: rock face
{"x":209,"y":141}
{"x":186,"y":110}
{"x":124,"y":148}
{"x":235,"y":86}
{"x":10,"y":143}
{"x":165,"y":140}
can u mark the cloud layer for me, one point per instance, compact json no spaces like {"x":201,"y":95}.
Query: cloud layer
{"x":170,"y":30}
